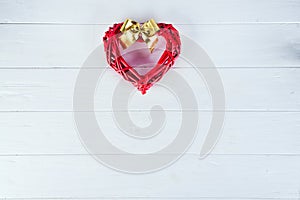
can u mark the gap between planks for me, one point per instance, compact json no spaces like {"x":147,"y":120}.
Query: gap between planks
{"x":140,"y":197}
{"x":110,"y":154}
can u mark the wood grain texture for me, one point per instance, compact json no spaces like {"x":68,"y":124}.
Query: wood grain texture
{"x":245,"y":90}
{"x":60,"y":46}
{"x":214,"y":177}
{"x":244,"y":133}
{"x":255,"y":45}
{"x":187,"y":12}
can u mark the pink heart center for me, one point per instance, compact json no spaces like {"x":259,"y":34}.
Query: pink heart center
{"x":139,"y":57}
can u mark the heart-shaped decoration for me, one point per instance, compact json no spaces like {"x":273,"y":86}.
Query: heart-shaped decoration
{"x":130,"y":40}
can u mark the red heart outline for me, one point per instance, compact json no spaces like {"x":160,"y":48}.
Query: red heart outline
{"x":165,"y":62}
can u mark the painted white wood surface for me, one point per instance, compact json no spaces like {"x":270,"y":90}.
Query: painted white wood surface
{"x":177,"y":11}
{"x":245,"y":89}
{"x":246,"y":45}
{"x":234,"y":176}
{"x":256,"y":46}
{"x":43,"y":133}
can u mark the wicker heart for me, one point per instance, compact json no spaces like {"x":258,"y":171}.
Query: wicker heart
{"x":143,"y":81}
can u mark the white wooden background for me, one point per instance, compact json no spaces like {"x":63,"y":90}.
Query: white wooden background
{"x":255,"y":44}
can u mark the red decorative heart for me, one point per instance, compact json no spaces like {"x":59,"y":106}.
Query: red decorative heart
{"x":113,"y":48}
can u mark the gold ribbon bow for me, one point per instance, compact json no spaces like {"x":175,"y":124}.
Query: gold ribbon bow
{"x":132,"y":30}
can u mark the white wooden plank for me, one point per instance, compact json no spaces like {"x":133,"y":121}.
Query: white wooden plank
{"x":254,"y":43}
{"x":37,"y":46}
{"x":52,"y":133}
{"x":153,"y":198}
{"x":214,"y":177}
{"x":245,"y":89}
{"x":192,"y":11}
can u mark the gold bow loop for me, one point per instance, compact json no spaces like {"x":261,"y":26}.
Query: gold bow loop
{"x":132,"y":30}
